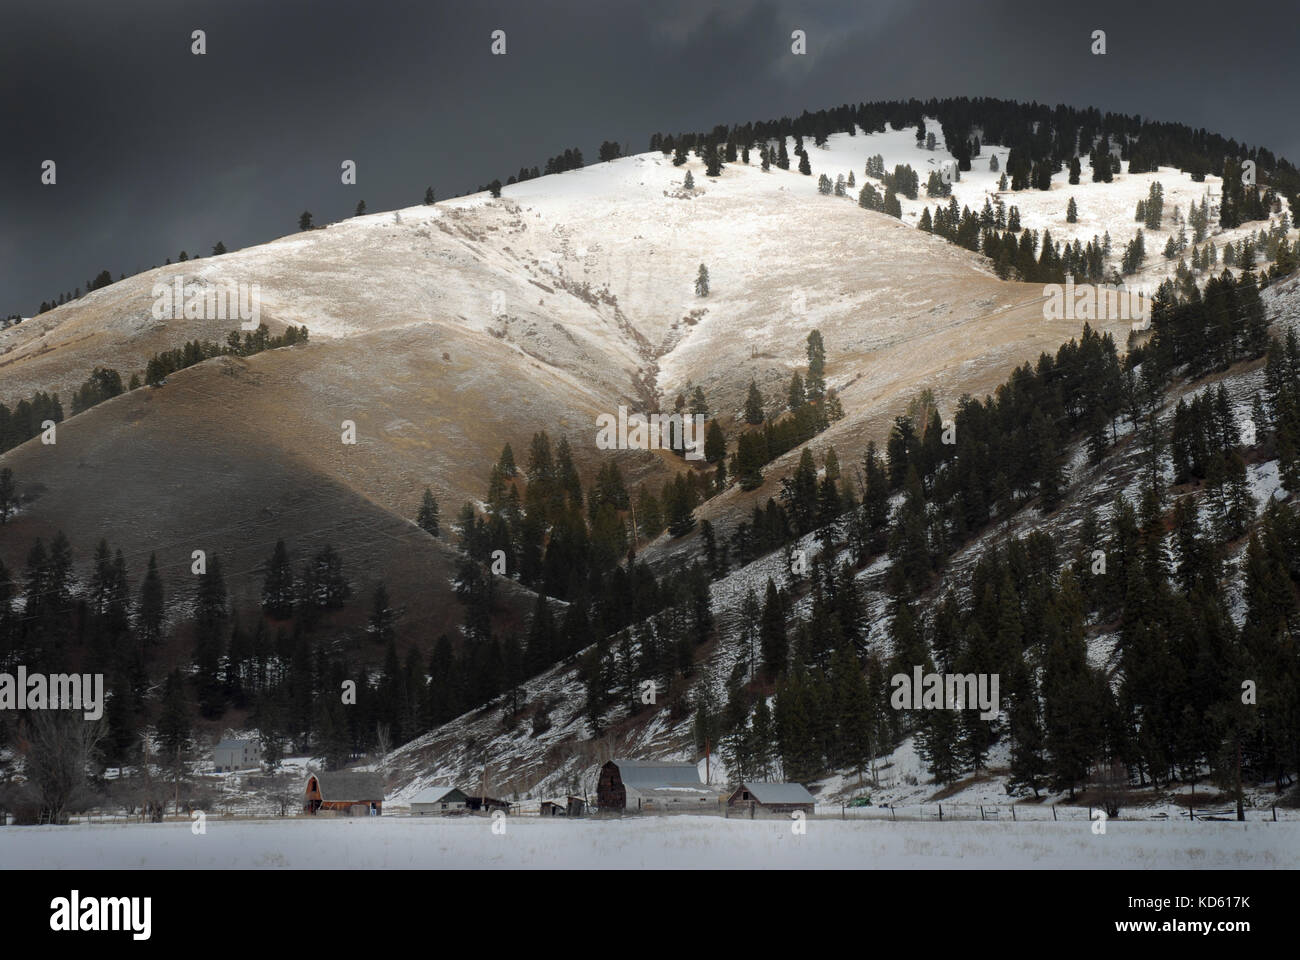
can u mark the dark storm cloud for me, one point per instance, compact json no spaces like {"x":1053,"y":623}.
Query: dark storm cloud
{"x":159,"y":150}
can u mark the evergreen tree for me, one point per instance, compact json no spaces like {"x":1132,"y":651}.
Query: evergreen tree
{"x":772,"y":640}
{"x":427,"y":518}
{"x":278,"y":585}
{"x":753,"y":404}
{"x":381,"y":627}
{"x":796,"y":394}
{"x":149,"y":612}
{"x":815,"y":384}
{"x":702,"y":282}
{"x":9,"y":496}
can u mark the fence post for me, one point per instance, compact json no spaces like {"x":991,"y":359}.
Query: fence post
{"x":1053,"y":811}
{"x":842,"y":816}
{"x":891,"y":812}
{"x":1275,"y":813}
{"x":941,"y":813}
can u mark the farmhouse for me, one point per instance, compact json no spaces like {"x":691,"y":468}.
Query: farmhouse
{"x":772,"y":798}
{"x":437,"y":800}
{"x":236,"y":755}
{"x":347,"y":792}
{"x":634,"y":785}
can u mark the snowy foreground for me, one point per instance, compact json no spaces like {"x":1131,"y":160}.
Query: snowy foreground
{"x":670,"y":842}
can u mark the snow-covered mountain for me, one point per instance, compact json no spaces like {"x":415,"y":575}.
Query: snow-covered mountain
{"x":446,"y":331}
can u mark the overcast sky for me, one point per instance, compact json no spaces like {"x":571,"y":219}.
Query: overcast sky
{"x":159,"y":150}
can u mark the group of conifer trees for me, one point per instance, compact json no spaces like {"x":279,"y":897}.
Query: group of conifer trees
{"x":1169,"y":706}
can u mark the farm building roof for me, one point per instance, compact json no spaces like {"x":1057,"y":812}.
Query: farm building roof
{"x":644,"y":776}
{"x":435,"y":794}
{"x":779,"y":792}
{"x":349,"y":785}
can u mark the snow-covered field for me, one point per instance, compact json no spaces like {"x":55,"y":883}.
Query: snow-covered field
{"x":670,"y":842}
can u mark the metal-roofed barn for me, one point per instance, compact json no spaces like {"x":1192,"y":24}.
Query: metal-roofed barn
{"x":349,"y":792}
{"x":652,"y":786}
{"x":438,"y":800}
{"x":772,"y":798}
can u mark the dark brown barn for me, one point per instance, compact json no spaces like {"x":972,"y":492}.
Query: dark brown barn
{"x":634,"y":785}
{"x":348,"y":792}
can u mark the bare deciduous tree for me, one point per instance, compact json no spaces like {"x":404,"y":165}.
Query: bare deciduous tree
{"x":59,"y":748}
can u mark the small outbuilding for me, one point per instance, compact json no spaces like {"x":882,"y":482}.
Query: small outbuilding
{"x":438,"y":800}
{"x":772,"y":798}
{"x":350,"y":793}
{"x":553,"y":808}
{"x":479,"y":803}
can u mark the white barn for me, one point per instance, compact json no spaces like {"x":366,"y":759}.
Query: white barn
{"x":237,"y":755}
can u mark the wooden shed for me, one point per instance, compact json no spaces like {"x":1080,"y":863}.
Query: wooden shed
{"x":553,"y":808}
{"x":479,"y":803}
{"x":344,"y":791}
{"x":772,"y":798}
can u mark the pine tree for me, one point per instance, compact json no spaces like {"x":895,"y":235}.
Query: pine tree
{"x":796,"y":396}
{"x":1070,"y":709}
{"x":427,"y":518}
{"x":381,"y":627}
{"x":304,"y":221}
{"x":149,"y":612}
{"x":1071,"y":212}
{"x":754,"y":404}
{"x":174,"y":718}
{"x":815,"y":384}
{"x":8,"y":491}
{"x":278,"y":585}
{"x":702,"y":282}
{"x":715,"y":443}
{"x":772,"y":640}
{"x":428,"y":196}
